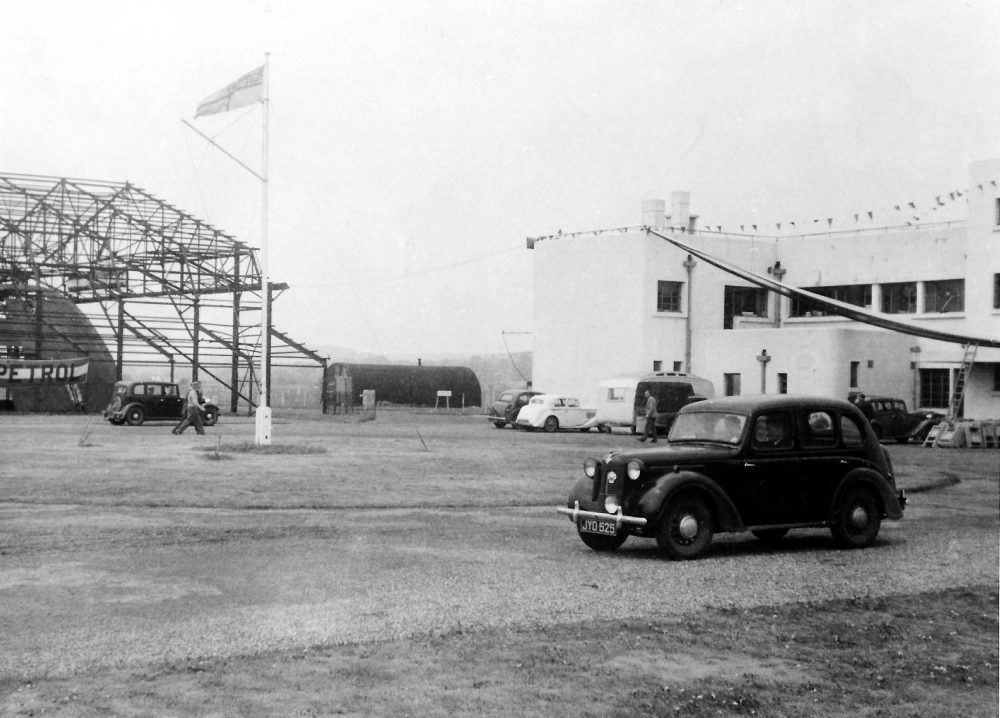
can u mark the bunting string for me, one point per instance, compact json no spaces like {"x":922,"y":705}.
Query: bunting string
{"x":910,"y":213}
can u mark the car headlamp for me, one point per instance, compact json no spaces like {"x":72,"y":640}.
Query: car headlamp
{"x":634,"y":469}
{"x":611,"y":504}
{"x":590,"y":468}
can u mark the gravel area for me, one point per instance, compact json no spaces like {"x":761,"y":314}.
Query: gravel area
{"x":108,"y":582}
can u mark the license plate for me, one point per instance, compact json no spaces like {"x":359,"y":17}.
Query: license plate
{"x":598,"y":526}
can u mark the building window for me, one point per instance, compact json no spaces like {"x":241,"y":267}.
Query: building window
{"x":899,"y":298}
{"x":782,"y":382}
{"x":996,"y":377}
{"x":935,"y":388}
{"x":860,"y":295}
{"x":657,"y":364}
{"x":855,"y":365}
{"x":743,"y":302}
{"x":731,"y":384}
{"x":677,"y":366}
{"x":997,"y":217}
{"x":668,"y":296}
{"x":946,"y":295}
{"x":996,"y":291}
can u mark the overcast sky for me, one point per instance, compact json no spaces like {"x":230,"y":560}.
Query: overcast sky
{"x":415,"y":145}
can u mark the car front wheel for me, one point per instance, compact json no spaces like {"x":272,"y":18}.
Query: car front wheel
{"x":135,"y":416}
{"x":685,"y":529}
{"x":857,"y":520}
{"x":499,"y":424}
{"x":211,"y":417}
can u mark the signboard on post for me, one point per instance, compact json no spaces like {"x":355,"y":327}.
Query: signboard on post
{"x":38,"y":372}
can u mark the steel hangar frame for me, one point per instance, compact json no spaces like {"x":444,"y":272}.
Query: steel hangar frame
{"x":158,"y":285}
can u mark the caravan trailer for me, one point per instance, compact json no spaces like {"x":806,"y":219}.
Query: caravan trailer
{"x":672,"y":390}
{"x":615,"y":398}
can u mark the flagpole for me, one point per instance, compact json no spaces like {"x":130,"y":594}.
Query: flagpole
{"x":263,"y":420}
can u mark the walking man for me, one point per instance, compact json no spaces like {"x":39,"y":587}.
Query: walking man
{"x":193,"y":410}
{"x":650,"y":431}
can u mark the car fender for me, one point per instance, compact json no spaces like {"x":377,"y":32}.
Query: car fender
{"x":584,"y":491}
{"x":652,"y":503}
{"x":925,"y":424}
{"x":128,"y":407}
{"x":875,"y":481}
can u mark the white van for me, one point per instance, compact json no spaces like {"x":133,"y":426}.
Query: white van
{"x":615,"y":398}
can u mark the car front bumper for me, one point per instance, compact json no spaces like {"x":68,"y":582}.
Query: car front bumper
{"x":576,"y":513}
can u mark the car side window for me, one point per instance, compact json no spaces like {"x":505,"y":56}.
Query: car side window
{"x":772,"y":432}
{"x":171,"y":391}
{"x":850,"y":432}
{"x":817,"y":429}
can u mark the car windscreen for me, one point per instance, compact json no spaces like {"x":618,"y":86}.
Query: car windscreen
{"x":712,"y":426}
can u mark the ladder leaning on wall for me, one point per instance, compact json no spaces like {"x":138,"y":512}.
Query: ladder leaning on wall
{"x":958,"y":394}
{"x":951,"y":432}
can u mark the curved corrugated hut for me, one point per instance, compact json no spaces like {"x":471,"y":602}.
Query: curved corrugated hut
{"x":405,"y":384}
{"x":66,"y":333}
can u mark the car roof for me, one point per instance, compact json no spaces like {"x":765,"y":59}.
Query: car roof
{"x":749,"y":403}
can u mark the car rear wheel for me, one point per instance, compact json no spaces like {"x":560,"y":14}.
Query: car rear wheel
{"x":604,"y":428}
{"x":857,"y":520}
{"x":602,"y":543}
{"x":551,"y":424}
{"x":135,"y":416}
{"x":499,"y":424}
{"x":685,"y":529}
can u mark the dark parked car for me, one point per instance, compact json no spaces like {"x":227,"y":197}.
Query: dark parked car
{"x":891,"y":420}
{"x":135,"y":402}
{"x":504,"y":410}
{"x":764,"y":464}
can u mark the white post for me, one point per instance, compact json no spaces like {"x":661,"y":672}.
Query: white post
{"x":263,"y":419}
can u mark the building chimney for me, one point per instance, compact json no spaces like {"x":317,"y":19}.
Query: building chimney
{"x":653,"y":213}
{"x":680,"y":205}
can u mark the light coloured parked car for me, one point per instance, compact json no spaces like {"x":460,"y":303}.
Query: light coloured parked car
{"x":552,"y":412}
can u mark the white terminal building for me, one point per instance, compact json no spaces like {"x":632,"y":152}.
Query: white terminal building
{"x":620,"y":301}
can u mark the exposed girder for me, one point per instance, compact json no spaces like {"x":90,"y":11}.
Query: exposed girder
{"x":194,"y":293}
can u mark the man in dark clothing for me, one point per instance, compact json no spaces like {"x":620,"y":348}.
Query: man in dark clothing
{"x":650,"y":431}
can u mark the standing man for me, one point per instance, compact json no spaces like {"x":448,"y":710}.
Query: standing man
{"x":193,"y":410}
{"x":649,"y":432}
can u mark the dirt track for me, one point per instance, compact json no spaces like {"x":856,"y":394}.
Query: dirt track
{"x":408,"y":525}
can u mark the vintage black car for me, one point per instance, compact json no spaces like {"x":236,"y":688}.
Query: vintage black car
{"x":764,"y":464}
{"x":892,"y":420}
{"x":135,"y":402}
{"x":504,"y":410}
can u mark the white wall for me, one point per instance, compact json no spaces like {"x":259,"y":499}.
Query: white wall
{"x":817,"y":362}
{"x":588,"y":324}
